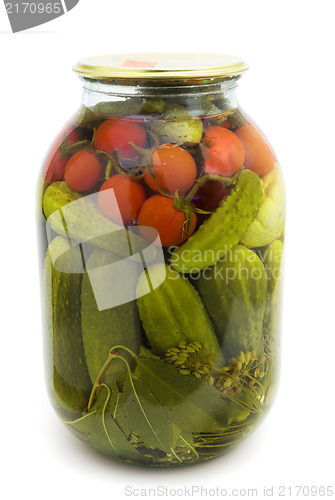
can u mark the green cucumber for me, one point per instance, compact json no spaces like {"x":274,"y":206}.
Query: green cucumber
{"x":177,"y":125}
{"x":223,"y":229}
{"x":62,"y":287}
{"x":234,"y":294}
{"x":103,"y":329}
{"x":171,"y":312}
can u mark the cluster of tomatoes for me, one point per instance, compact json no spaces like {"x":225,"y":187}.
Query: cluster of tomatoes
{"x":171,"y":169}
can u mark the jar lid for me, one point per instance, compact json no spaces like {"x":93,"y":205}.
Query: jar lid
{"x":160,"y":66}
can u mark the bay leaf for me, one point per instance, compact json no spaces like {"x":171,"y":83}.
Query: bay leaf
{"x":143,"y":415}
{"x":190,"y":403}
{"x":176,"y":432}
{"x":110,"y":440}
{"x":82,"y":425}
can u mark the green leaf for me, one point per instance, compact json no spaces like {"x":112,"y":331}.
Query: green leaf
{"x":82,"y":425}
{"x":110,"y":440}
{"x":101,"y":431}
{"x":191,"y":403}
{"x":153,"y":105}
{"x":140,"y":412}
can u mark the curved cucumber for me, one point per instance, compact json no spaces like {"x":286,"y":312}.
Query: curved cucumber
{"x":103,"y":329}
{"x":172,"y":312}
{"x":234,"y":294}
{"x":223,"y":229}
{"x":62,"y":287}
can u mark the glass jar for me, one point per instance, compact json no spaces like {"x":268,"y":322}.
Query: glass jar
{"x":161,"y":227}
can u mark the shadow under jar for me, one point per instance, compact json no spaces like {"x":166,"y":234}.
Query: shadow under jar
{"x":161,"y":222}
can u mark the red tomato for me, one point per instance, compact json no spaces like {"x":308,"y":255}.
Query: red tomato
{"x":129,"y":194}
{"x":54,"y":165}
{"x":210,"y":194}
{"x":173,"y":167}
{"x":225,"y":153}
{"x":158,"y":212}
{"x":116,"y":134}
{"x":258,"y":156}
{"x":82,"y":171}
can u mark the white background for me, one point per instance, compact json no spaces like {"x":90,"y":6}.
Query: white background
{"x":289,"y":92}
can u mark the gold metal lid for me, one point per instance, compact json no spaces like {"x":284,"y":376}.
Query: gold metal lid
{"x":160,"y":66}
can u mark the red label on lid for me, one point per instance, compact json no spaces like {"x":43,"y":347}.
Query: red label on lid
{"x":139,"y":64}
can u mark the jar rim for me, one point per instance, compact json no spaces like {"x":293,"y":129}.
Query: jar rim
{"x":160,"y":66}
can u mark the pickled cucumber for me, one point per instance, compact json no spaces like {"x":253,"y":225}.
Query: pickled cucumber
{"x":178,"y":125}
{"x":103,"y":329}
{"x":234,"y":294}
{"x":62,"y":286}
{"x":223,"y":229}
{"x":173,"y":312}
{"x":56,"y":196}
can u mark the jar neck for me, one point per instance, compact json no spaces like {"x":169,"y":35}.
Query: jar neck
{"x":97,"y":91}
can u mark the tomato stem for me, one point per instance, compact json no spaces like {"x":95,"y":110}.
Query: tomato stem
{"x":131,"y":172}
{"x":145,"y":153}
{"x":93,"y":135}
{"x":108,"y":169}
{"x":69,"y":148}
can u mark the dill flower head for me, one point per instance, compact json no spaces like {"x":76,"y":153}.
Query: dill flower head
{"x":190,"y":359}
{"x":244,"y":369}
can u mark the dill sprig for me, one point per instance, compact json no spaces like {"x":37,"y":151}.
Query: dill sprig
{"x":190,"y":359}
{"x":245,"y":369}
